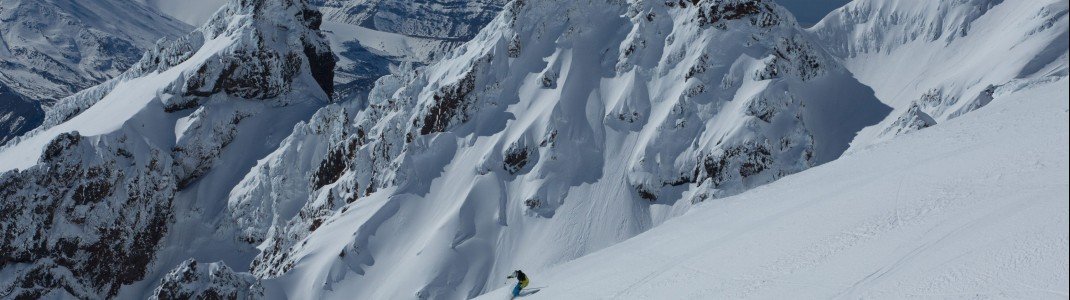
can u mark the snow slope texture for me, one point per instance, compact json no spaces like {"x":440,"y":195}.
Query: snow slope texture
{"x":972,"y":208}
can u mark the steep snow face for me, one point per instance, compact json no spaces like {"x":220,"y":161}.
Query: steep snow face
{"x":562,"y":128}
{"x":941,"y":59}
{"x":91,"y":197}
{"x":975,"y":207}
{"x":50,"y":49}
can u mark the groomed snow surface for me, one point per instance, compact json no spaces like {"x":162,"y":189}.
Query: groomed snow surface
{"x":974,"y":208}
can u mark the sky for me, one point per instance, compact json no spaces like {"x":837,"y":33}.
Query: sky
{"x":809,"y":12}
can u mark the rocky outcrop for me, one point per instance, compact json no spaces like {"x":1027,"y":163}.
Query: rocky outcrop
{"x":87,"y":219}
{"x":192,"y":280}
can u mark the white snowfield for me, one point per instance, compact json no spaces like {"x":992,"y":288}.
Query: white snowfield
{"x":974,"y":208}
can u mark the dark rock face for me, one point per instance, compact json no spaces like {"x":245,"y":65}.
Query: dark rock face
{"x":335,"y":164}
{"x":517,"y":157}
{"x":451,"y":105}
{"x":80,"y":221}
{"x":89,"y":217}
{"x":715,"y":12}
{"x":745,"y":160}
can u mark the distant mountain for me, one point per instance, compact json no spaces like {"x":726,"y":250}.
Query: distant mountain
{"x":561,"y":128}
{"x":437,"y":19}
{"x":936,"y":60}
{"x":372,"y":37}
{"x":388,"y":149}
{"x":192,"y":12}
{"x":50,"y":49}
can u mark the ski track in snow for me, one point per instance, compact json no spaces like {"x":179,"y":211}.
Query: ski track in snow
{"x":972,"y":208}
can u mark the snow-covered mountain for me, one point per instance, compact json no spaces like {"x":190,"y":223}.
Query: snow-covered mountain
{"x":230,"y":163}
{"x":437,"y":19}
{"x":90,"y":197}
{"x":372,"y":38}
{"x":192,"y":12}
{"x":936,"y":60}
{"x":50,"y":49}
{"x":563,"y":127}
{"x":973,"y":208}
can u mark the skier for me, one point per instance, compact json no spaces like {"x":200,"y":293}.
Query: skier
{"x":521,"y":282}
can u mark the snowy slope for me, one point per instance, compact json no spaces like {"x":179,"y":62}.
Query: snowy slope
{"x":562,"y":128}
{"x":95,"y":198}
{"x":373,"y":38}
{"x":973,"y":208}
{"x":936,"y":60}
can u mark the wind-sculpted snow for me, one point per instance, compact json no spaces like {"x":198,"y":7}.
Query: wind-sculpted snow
{"x":561,"y":128}
{"x":91,"y":197}
{"x":941,"y":59}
